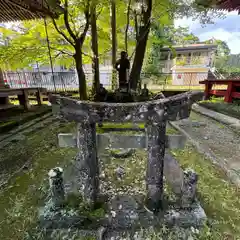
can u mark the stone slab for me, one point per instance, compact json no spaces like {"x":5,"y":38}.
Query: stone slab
{"x":125,"y":212}
{"x":116,"y":129}
{"x":67,"y":140}
{"x":195,"y":217}
{"x":190,"y":123}
{"x":106,"y":140}
{"x":216,"y":116}
{"x":173,"y":173}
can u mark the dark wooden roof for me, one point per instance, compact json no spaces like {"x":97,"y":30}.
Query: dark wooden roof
{"x":18,"y":10}
{"x":229,"y":5}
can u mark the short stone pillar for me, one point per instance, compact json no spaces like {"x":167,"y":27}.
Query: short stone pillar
{"x":189,"y":188}
{"x":56,"y":187}
{"x":156,"y":134}
{"x":87,"y":157}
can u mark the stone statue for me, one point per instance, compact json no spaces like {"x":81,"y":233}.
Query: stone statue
{"x":123,"y":66}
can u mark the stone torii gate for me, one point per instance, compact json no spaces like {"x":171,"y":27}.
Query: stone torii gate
{"x":154,"y":114}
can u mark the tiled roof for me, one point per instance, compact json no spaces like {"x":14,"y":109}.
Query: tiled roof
{"x":191,"y":47}
{"x":18,"y":10}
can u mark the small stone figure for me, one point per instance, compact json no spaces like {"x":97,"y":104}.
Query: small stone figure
{"x":123,"y":66}
{"x":101,"y":94}
{"x":145,"y":92}
{"x":189,"y":188}
{"x":56,"y":187}
{"x":120,"y":172}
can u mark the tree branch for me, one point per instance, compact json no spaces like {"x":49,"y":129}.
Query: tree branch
{"x":62,"y":51}
{"x":127,"y":26}
{"x":87,"y":17}
{"x":99,"y":13}
{"x":87,"y":55}
{"x":57,"y":55}
{"x":73,"y":22}
{"x":136,"y":24}
{"x":61,"y":33}
{"x":66,"y":21}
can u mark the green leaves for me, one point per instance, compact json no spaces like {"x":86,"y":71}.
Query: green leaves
{"x":28,"y":45}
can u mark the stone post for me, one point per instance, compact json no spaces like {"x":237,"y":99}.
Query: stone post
{"x":189,"y":188}
{"x":156,"y":149}
{"x":86,"y":142}
{"x":56,"y":187}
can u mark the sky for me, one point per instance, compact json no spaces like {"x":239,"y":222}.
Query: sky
{"x":227,"y":29}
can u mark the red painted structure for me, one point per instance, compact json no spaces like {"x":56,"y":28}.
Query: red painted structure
{"x":233,"y":89}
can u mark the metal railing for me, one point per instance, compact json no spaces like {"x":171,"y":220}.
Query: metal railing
{"x":192,"y":61}
{"x":63,"y":81}
{"x":68,"y":81}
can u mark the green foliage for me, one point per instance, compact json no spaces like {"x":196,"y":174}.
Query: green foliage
{"x":166,"y":36}
{"x":27,"y":43}
{"x":222,"y":54}
{"x":181,"y":36}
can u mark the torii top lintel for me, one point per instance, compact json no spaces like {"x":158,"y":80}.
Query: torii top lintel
{"x":156,"y":111}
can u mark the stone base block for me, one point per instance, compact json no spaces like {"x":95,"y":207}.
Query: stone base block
{"x":125,"y":212}
{"x":192,"y":217}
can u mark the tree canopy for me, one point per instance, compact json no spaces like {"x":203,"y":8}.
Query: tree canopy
{"x":70,"y":38}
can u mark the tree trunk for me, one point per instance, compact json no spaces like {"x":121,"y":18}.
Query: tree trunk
{"x":114,"y":44}
{"x":138,"y":58}
{"x":81,"y":74}
{"x":95,"y":63}
{"x":1,"y":79}
{"x":141,"y":46}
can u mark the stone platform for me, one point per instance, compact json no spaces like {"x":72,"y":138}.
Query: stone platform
{"x":124,"y":214}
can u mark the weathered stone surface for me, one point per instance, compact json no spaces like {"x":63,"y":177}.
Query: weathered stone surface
{"x":120,"y":172}
{"x":215,"y":115}
{"x":56,"y":187}
{"x":177,"y":107}
{"x":173,"y":173}
{"x":67,"y":218}
{"x":154,"y":113}
{"x":122,"y":153}
{"x":124,"y":212}
{"x":189,"y":188}
{"x":194,"y":216}
{"x":127,"y":213}
{"x":183,"y":183}
{"x":61,"y":219}
{"x":236,"y":126}
{"x":67,"y":140}
{"x":106,"y":140}
{"x":155,"y":164}
{"x":86,"y":142}
{"x":190,"y":123}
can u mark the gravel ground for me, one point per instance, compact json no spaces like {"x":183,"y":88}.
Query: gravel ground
{"x":219,"y":140}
